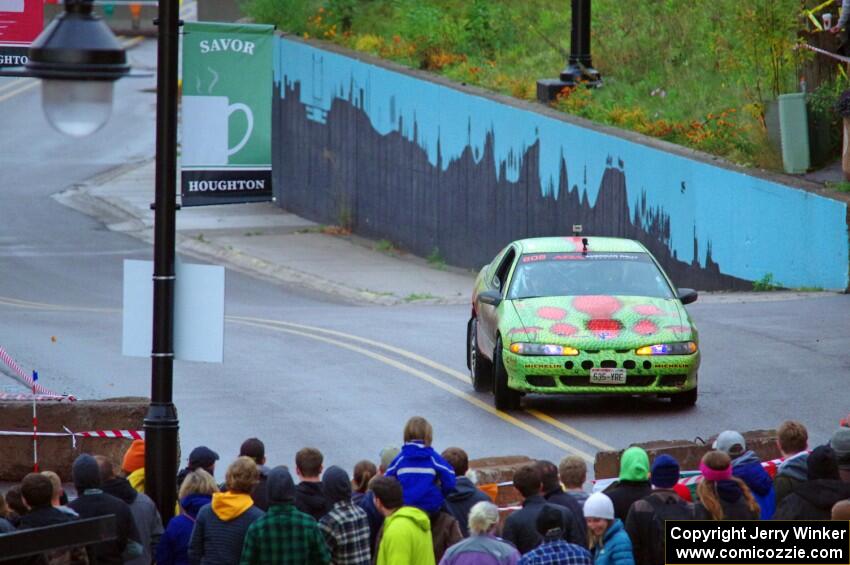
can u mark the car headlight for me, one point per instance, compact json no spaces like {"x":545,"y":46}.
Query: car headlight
{"x":679,"y":348}
{"x":542,"y":349}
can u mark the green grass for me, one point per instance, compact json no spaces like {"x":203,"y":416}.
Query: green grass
{"x":766,"y":283}
{"x":418,"y":296}
{"x":386,"y":246}
{"x":320,"y":228}
{"x":842,"y":186}
{"x":436,"y":260}
{"x":693,"y":73}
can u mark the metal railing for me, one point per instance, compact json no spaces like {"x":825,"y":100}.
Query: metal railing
{"x":69,"y":535}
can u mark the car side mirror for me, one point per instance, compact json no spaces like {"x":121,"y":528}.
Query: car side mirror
{"x":688,"y":295}
{"x":490,"y":297}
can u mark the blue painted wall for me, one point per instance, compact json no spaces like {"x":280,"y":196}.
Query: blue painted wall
{"x":753,"y":226}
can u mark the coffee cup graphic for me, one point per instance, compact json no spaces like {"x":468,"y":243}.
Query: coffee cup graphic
{"x":206,"y":130}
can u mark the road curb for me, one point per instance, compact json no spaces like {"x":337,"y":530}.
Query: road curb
{"x":119,"y":215}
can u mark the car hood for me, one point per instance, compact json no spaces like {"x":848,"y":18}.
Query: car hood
{"x":597,"y":322}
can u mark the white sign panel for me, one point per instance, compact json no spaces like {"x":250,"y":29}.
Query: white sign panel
{"x":198,"y":311}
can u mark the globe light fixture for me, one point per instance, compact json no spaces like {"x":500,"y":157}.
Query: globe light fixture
{"x":78,"y":59}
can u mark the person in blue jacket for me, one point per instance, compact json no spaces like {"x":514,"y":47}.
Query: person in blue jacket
{"x":426,"y":478}
{"x":195,"y":492}
{"x":607,"y":538}
{"x":747,"y":467}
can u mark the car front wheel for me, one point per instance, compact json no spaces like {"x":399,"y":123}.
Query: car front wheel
{"x":505,"y":397}
{"x":480,"y":368}
{"x":685,"y":399}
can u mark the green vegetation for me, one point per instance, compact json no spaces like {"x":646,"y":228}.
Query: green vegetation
{"x":436,"y":260}
{"x":320,"y":228}
{"x":697,"y":74}
{"x":766,"y":283}
{"x":842,"y":186}
{"x":386,"y":246}
{"x":418,"y":296}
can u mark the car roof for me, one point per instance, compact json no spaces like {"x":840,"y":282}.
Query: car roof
{"x":567,"y":244}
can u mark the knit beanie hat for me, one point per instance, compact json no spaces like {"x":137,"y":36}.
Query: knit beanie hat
{"x":598,"y":505}
{"x":134,"y":458}
{"x":550,"y":522}
{"x":634,"y":465}
{"x":822,"y":464}
{"x":280,"y":487}
{"x":665,"y":471}
{"x":840,"y":443}
{"x":85,"y":472}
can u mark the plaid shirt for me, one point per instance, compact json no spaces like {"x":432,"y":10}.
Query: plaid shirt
{"x":346,"y":531}
{"x":284,"y":536}
{"x":558,"y":552}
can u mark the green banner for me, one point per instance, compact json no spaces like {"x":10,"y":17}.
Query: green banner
{"x":226,"y":112}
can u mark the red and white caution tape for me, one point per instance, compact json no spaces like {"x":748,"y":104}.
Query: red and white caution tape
{"x":29,"y":397}
{"x":112,"y":434}
{"x":27,"y":379}
{"x":104,"y":434}
{"x":835,"y":56}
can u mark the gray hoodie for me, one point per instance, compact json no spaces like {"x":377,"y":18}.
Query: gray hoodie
{"x":790,"y":473}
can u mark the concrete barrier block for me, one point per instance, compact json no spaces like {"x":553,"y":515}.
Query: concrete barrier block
{"x":57,"y":453}
{"x":500,"y":470}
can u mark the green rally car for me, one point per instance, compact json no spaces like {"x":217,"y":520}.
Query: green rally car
{"x":584,"y":315}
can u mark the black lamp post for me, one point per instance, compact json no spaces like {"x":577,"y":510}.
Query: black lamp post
{"x":579,"y":66}
{"x":78,"y":58}
{"x":161,"y":423}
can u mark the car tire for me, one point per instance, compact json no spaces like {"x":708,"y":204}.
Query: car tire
{"x":505,"y":397}
{"x":685,"y":399}
{"x":480,"y":368}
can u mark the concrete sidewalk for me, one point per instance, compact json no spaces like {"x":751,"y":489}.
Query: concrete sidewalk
{"x":264,"y":240}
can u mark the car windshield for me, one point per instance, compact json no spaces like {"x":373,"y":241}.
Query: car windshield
{"x":575,"y":274}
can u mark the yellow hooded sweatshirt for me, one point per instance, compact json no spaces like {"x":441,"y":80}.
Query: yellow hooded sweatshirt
{"x":137,"y":479}
{"x":406,"y":539}
{"x":230,"y":505}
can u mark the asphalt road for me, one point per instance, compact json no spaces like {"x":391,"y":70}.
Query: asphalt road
{"x":307,"y":369}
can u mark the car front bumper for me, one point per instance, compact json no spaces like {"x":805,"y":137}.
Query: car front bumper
{"x":667,"y":374}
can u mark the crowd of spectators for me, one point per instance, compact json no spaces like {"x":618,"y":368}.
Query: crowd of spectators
{"x":420,"y":507}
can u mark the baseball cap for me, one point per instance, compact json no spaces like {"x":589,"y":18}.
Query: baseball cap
{"x":202,"y":456}
{"x":730,"y":442}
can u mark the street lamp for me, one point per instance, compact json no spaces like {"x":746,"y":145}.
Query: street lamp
{"x":579,"y":65}
{"x":78,"y":58}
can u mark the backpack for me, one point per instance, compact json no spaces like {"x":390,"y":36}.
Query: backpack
{"x":664,"y":509}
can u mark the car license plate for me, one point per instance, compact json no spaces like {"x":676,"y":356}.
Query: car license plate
{"x":608,"y":376}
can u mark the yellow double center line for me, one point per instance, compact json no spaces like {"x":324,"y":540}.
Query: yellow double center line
{"x":15,"y":87}
{"x":349,"y":342}
{"x":310,"y":331}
